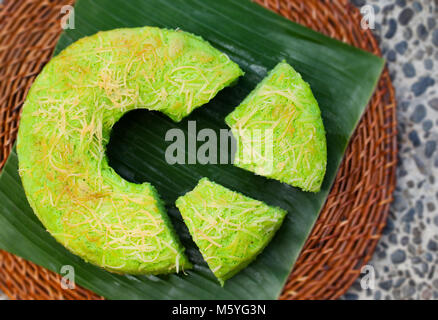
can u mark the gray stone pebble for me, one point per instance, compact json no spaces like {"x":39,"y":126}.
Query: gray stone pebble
{"x":432,"y":245}
{"x":422,"y":32}
{"x":409,"y":70}
{"x":392,"y":28}
{"x":430,"y":148}
{"x":422,"y":84}
{"x":401,"y":47}
{"x":398,"y":256}
{"x":419,"y":113}
{"x":405,"y":16}
{"x":435,"y":37}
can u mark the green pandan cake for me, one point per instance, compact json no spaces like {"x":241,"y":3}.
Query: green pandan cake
{"x":66,"y":124}
{"x":279,"y":131}
{"x":229,"y":228}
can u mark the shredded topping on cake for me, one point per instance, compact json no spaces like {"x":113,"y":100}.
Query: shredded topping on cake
{"x":230,"y":229}
{"x":283,"y":109}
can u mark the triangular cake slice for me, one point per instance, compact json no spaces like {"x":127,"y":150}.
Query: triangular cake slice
{"x":279,"y":131}
{"x":229,"y":228}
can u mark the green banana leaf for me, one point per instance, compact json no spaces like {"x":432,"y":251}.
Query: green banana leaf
{"x":342,"y":79}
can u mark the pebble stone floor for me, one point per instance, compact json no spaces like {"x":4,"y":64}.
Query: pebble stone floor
{"x":406,"y":258}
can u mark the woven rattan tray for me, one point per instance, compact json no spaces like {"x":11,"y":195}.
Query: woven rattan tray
{"x":354,"y":215}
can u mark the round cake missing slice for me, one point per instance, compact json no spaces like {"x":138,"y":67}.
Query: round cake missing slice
{"x":66,"y":124}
